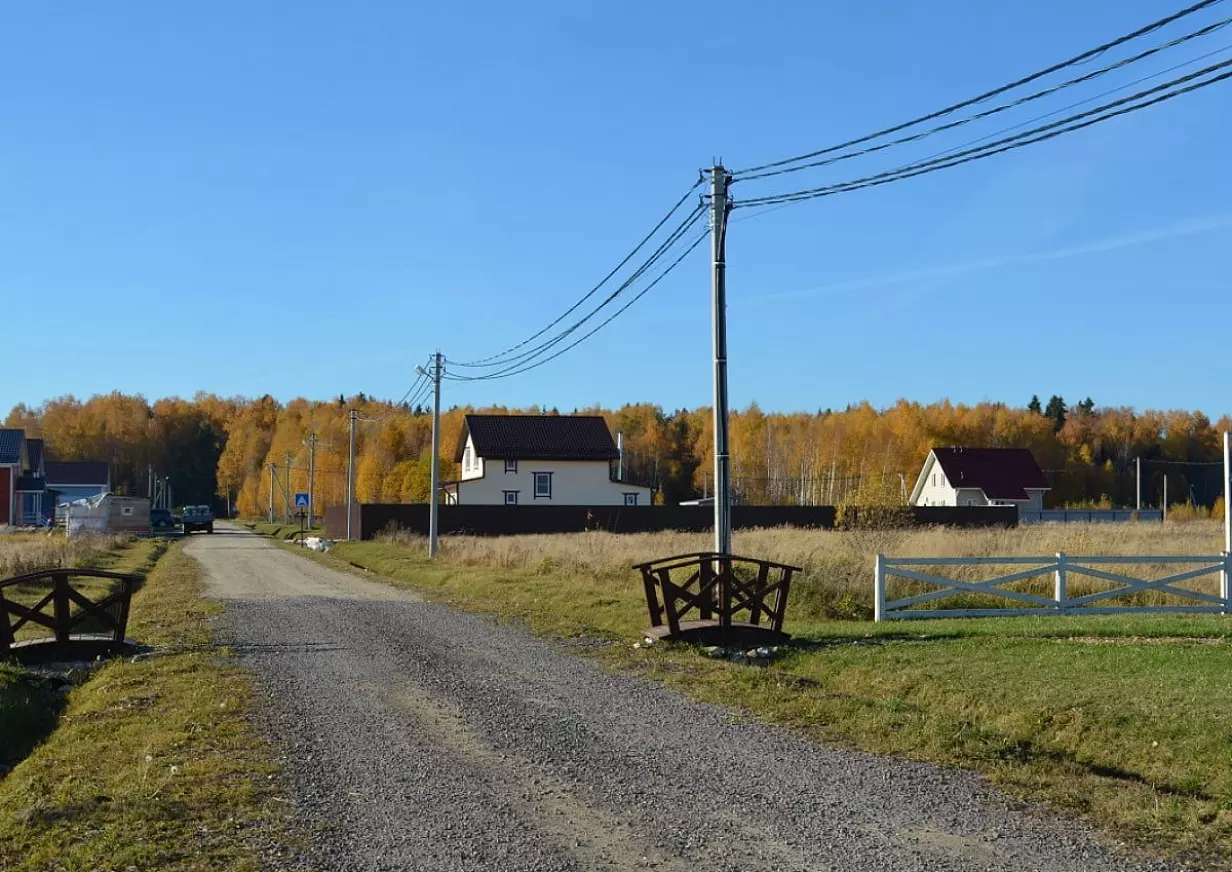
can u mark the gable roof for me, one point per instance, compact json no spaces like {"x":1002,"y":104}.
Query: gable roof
{"x":34,"y":455}
{"x":1001,"y":473}
{"x":88,"y":472}
{"x":10,"y":446}
{"x":538,"y":437}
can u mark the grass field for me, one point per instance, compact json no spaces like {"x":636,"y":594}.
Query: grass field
{"x":838,"y":566}
{"x":1121,"y":719}
{"x":153,"y":764}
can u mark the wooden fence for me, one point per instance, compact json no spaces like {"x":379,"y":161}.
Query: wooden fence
{"x":1061,"y":568}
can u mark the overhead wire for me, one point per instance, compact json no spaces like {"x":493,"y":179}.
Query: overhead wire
{"x":996,"y":110}
{"x":995,"y":92}
{"x":645,"y":239}
{"x":1029,"y":137}
{"x":532,"y":365}
{"x":522,"y":357}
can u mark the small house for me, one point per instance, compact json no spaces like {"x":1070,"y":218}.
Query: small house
{"x":981,"y":477}
{"x":515,"y":460}
{"x":78,"y":479}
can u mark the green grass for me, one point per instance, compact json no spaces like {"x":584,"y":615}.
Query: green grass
{"x":154,"y":764}
{"x":1124,"y":720}
{"x":280,"y":530}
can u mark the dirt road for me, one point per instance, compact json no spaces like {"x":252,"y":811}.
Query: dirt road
{"x":418,"y":737}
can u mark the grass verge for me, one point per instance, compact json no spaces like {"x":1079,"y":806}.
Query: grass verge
{"x":1121,"y":719}
{"x":154,"y":763}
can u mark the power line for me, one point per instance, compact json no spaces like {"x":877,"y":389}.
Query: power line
{"x":592,"y":291}
{"x":1047,"y":131}
{"x":1077,"y":59}
{"x":610,"y":318}
{"x":539,"y":350}
{"x":996,"y":110}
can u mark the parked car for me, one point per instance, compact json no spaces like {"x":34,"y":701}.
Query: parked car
{"x":162,"y":521}
{"x":198,"y":518}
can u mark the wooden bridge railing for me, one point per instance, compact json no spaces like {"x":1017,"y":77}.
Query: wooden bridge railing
{"x":67,"y":639}
{"x":718,"y":587}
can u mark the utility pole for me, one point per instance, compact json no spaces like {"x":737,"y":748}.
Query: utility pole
{"x":719,"y":207}
{"x":1225,"y":581}
{"x":286,"y":490}
{"x":1138,"y":480}
{"x":312,"y":458}
{"x":350,"y":499}
{"x":272,"y":471}
{"x":1164,"y":517}
{"x":434,"y":506}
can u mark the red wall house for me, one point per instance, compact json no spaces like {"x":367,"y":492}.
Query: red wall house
{"x":12,"y":462}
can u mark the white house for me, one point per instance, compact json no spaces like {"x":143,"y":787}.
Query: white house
{"x":981,"y":477}
{"x":524,"y":460}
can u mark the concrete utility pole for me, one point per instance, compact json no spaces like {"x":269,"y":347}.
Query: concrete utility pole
{"x":1164,"y":517}
{"x":719,"y":208}
{"x":1138,"y":480}
{"x":286,"y":489}
{"x":434,"y":504}
{"x":312,"y":459}
{"x":350,"y":500}
{"x":272,"y":468}
{"x":1225,"y":581}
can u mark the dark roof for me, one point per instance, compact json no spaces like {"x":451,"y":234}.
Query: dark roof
{"x":77,"y":472}
{"x":34,"y":453}
{"x":538,"y":437}
{"x":1001,"y":473}
{"x":30,"y":483}
{"x":10,"y":446}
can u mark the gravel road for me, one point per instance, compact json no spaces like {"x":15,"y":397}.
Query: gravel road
{"x":418,"y":737}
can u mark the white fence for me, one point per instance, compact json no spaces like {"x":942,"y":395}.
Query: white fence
{"x":1060,"y":567}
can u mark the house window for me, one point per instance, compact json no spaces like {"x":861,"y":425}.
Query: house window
{"x":971,"y":502}
{"x":934,"y":479}
{"x":543,"y":485}
{"x":511,"y":466}
{"x":631,"y":499}
{"x":511,"y":498}
{"x":466,"y":459}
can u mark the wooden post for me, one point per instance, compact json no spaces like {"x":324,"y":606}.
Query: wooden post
{"x":60,"y":604}
{"x":6,"y":632}
{"x":1224,"y":582}
{"x":1059,"y":578}
{"x":879,"y":591}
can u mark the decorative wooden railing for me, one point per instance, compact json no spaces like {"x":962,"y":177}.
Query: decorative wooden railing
{"x":718,"y":587}
{"x":70,"y":609}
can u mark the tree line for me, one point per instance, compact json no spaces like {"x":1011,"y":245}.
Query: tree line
{"x":240,"y":450}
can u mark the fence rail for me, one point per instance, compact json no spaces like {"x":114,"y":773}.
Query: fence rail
{"x":1061,"y":567}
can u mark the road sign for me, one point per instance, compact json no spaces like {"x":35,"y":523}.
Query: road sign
{"x":301,"y":501}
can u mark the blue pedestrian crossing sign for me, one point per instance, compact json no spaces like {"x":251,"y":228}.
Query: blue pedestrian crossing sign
{"x":301,"y":501}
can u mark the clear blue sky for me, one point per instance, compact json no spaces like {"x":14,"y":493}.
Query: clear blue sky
{"x":305,"y":198}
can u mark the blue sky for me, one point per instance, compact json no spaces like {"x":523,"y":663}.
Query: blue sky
{"x":307,"y":198}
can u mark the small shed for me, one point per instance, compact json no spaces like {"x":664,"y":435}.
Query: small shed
{"x":108,"y":513}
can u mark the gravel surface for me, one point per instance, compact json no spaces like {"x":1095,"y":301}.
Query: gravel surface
{"x":419,"y":737}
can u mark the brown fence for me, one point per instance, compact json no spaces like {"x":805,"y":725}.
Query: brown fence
{"x":371,"y":519}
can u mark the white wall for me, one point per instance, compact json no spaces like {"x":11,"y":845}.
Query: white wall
{"x":574,"y":483}
{"x":475,"y":470}
{"x":937,"y":490}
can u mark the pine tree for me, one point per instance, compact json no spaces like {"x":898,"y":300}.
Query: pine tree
{"x":1086,"y":407}
{"x":1055,"y":411}
{"x":1034,"y":405}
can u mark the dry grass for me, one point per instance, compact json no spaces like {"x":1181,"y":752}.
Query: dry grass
{"x":20,"y":553}
{"x":837,"y":577}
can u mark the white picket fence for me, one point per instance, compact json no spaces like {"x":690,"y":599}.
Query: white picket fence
{"x":1061,"y":567}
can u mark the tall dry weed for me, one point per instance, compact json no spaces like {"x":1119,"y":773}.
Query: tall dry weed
{"x":838,"y":566}
{"x":21,"y":554}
